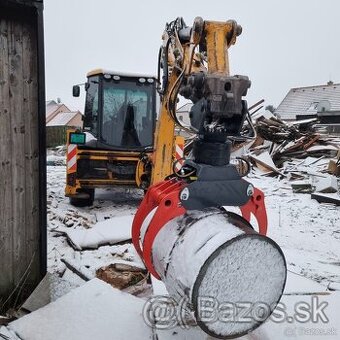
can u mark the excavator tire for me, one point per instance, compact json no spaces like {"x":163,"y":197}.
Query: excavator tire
{"x":83,"y":202}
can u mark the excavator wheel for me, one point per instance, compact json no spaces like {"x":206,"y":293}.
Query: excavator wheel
{"x":85,"y":199}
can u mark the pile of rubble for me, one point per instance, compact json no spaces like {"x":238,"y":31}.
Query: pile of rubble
{"x":294,"y":140}
{"x":309,"y":159}
{"x":56,"y":156}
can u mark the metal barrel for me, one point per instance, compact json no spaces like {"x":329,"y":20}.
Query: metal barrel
{"x":226,"y":276}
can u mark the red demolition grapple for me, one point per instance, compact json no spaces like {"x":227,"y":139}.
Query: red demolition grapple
{"x":162,"y":203}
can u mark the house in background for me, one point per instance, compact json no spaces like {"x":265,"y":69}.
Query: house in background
{"x":53,"y":108}
{"x":315,"y":105}
{"x":58,"y":114}
{"x":73,"y":119}
{"x":305,"y":102}
{"x":59,"y":118}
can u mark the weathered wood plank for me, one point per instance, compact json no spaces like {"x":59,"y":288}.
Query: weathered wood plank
{"x":324,"y":198}
{"x":30,"y":109}
{"x":18,"y":142}
{"x":6,"y":212}
{"x":19,"y":160}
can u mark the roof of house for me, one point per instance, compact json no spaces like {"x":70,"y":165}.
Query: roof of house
{"x":304,"y":100}
{"x":62,"y":118}
{"x":51,"y":106}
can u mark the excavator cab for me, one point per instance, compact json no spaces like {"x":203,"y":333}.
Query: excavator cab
{"x":120,"y":110}
{"x":114,"y":146}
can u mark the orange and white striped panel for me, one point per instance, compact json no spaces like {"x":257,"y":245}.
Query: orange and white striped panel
{"x":179,"y":154}
{"x":72,"y":157}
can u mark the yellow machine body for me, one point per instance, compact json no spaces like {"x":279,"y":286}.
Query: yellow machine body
{"x":96,"y":165}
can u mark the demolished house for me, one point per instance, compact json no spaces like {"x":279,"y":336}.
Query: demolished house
{"x":300,"y":141}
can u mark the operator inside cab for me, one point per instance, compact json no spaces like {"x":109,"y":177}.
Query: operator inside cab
{"x":120,"y":111}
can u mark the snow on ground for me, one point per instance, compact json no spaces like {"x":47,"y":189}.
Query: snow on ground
{"x":93,"y":311}
{"x":111,"y":231}
{"x":96,"y":311}
{"x":61,"y":215}
{"x":308,"y":232}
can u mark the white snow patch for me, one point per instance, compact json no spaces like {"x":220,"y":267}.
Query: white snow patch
{"x":93,"y":311}
{"x":110,"y":231}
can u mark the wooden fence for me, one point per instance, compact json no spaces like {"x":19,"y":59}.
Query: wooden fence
{"x":22,"y":151}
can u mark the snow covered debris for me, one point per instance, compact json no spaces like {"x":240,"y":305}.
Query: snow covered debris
{"x":110,"y":231}
{"x":93,"y":311}
{"x":327,"y":184}
{"x":63,"y":217}
{"x":123,"y":277}
{"x":265,"y":161}
{"x":49,"y":289}
{"x":7,"y":334}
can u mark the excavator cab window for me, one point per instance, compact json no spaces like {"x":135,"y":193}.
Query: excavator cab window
{"x":92,"y":105}
{"x":121,"y":111}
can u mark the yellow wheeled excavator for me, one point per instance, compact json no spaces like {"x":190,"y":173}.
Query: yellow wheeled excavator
{"x":116,"y":144}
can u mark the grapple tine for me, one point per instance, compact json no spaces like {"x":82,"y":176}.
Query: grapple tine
{"x":257,"y":207}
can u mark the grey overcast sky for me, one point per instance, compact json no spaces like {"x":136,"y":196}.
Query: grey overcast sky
{"x":284,"y":44}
